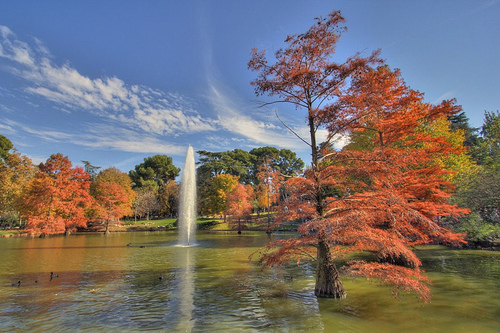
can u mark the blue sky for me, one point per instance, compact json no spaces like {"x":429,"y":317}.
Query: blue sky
{"x":113,"y":82}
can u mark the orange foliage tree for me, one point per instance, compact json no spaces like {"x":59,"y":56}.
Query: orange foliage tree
{"x":384,"y":198}
{"x":239,"y":203}
{"x":268,"y":188}
{"x":57,"y":198}
{"x":112,"y":190}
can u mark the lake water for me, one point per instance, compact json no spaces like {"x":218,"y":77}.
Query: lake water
{"x":103,"y":285}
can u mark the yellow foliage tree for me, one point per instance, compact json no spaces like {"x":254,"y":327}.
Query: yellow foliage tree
{"x":457,"y":162}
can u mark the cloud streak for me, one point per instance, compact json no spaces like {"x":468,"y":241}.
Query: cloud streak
{"x":102,"y":137}
{"x":109,"y":97}
{"x":234,"y":117}
{"x":268,"y":131}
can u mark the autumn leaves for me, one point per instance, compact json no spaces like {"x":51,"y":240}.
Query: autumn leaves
{"x":382,"y":193}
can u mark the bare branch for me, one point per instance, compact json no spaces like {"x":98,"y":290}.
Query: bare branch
{"x":291,"y":130}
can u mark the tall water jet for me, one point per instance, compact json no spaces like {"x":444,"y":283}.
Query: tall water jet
{"x":187,"y":204}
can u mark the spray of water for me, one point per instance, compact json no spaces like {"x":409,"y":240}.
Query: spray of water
{"x":187,"y":204}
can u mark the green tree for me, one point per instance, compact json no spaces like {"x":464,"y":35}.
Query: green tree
{"x":236,"y":162}
{"x":489,"y":145}
{"x":478,"y":187}
{"x":154,"y":172}
{"x":283,"y":160}
{"x":361,"y":140}
{"x":480,"y":192}
{"x":5,"y":146}
{"x":245,"y":165}
{"x":214,"y":197}
{"x":459,"y":121}
{"x":92,"y":170}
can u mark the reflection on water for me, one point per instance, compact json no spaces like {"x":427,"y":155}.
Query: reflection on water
{"x":104,"y":285}
{"x":185,"y":292}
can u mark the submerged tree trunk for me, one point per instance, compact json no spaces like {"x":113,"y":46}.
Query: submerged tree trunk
{"x":328,"y":282}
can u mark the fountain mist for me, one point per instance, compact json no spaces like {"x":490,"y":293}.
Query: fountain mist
{"x":187,"y":204}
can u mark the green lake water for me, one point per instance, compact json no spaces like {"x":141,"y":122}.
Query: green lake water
{"x":103,"y":285}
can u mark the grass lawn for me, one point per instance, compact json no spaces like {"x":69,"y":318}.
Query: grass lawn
{"x":147,"y":224}
{"x":7,"y":233}
{"x":163,"y":224}
{"x":256,"y":223}
{"x":203,"y":224}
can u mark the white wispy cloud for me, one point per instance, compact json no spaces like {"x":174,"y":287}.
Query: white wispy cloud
{"x":109,"y":97}
{"x":234,"y":117}
{"x":105,"y":136}
{"x":100,"y":136}
{"x":6,"y":128}
{"x":14,"y":49}
{"x":446,"y":95}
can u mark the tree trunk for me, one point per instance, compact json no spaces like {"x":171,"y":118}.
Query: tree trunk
{"x":107,"y":232}
{"x":328,"y":282}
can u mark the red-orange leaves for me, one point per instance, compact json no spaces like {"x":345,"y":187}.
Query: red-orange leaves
{"x":384,"y":192}
{"x":239,"y":201}
{"x":112,"y":190}
{"x":286,"y":250}
{"x":46,"y":225}
{"x":58,"y":197}
{"x":377,"y":100}
{"x":386,"y":197}
{"x":112,"y":201}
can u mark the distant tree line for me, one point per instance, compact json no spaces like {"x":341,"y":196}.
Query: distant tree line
{"x":56,"y":197}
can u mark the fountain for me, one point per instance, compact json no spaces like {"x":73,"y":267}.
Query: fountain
{"x":187,"y":204}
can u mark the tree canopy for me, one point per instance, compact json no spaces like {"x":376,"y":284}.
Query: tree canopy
{"x":154,"y":172}
{"x":5,"y":146}
{"x":57,"y":198}
{"x":214,"y":198}
{"x":283,"y":160}
{"x":478,"y":188}
{"x":16,"y":172}
{"x":236,"y":162}
{"x":245,"y":165}
{"x":112,"y":190}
